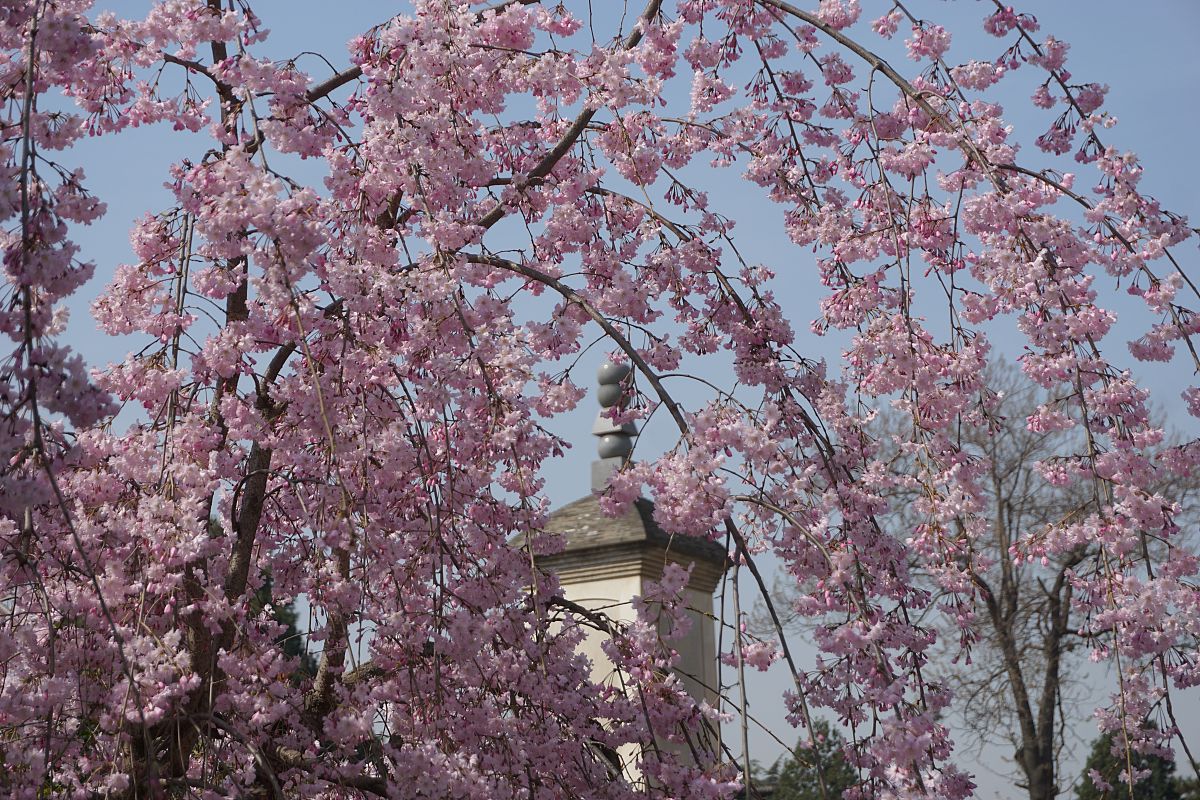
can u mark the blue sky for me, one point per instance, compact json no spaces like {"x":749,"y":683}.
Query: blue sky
{"x":1149,"y":58}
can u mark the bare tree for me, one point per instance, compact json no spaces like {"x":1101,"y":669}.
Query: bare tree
{"x":1016,"y":663}
{"x":1019,"y":683}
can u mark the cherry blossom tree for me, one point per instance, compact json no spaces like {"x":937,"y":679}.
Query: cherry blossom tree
{"x":352,"y":375}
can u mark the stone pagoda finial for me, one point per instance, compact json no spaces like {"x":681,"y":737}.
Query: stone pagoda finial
{"x":615,"y":443}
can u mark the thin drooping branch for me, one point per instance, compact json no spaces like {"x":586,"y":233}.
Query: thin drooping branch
{"x":547,"y":163}
{"x":569,"y":294}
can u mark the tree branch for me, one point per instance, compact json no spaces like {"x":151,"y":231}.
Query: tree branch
{"x":564,"y":145}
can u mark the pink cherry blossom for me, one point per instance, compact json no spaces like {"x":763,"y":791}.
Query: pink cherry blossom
{"x":343,"y":383}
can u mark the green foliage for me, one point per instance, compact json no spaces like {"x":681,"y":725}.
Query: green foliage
{"x":291,"y":640}
{"x":1189,"y":788}
{"x":1160,"y":784}
{"x":796,"y":778}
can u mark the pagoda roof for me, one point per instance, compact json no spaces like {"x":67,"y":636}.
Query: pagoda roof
{"x":594,"y":539}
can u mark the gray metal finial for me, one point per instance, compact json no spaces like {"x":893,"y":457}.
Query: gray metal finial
{"x":615,"y":444}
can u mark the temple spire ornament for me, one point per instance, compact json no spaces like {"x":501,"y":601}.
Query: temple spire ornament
{"x":615,"y":442}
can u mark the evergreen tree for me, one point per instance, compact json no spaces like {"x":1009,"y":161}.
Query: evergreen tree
{"x":1160,"y":784}
{"x":797,"y":777}
{"x":284,"y":613}
{"x":1189,"y":788}
{"x":291,"y":640}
